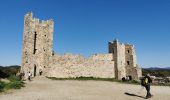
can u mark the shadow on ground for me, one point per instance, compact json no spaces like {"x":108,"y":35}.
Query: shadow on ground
{"x":131,"y":94}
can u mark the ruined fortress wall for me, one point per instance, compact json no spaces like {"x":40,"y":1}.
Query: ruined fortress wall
{"x":38,"y":55}
{"x":37,"y":45}
{"x":125,"y":60}
{"x":139,"y":72}
{"x":69,"y":65}
{"x":121,"y":60}
{"x":130,"y":55}
{"x":118,"y":51}
{"x":112,"y":47}
{"x":104,"y":57}
{"x":131,"y":66}
{"x":135,"y":72}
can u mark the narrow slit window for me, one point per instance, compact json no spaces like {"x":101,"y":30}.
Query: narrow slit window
{"x":35,"y":39}
{"x":128,"y":62}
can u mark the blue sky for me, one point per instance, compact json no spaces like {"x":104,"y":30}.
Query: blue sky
{"x":85,"y":27}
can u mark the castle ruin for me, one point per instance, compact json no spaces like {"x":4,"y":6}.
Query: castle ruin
{"x":37,"y":54}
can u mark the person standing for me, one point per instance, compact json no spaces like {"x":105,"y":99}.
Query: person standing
{"x":29,"y":76}
{"x":147,"y":81}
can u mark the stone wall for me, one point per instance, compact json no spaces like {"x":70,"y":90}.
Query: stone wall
{"x":132,"y":69}
{"x":104,"y":57}
{"x":121,"y":60}
{"x":69,"y":65}
{"x":130,"y":55}
{"x":125,"y":60}
{"x":118,"y":49}
{"x":37,"y":45}
{"x":37,"y":54}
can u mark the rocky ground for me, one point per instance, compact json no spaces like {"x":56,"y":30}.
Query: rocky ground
{"x":42,"y":88}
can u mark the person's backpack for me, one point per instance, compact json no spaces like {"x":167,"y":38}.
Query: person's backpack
{"x":144,"y":81}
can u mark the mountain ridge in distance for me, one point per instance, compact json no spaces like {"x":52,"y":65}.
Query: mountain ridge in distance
{"x":157,"y":68}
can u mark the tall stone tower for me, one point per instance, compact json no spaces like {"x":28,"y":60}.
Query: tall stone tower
{"x":118,"y":50}
{"x":130,"y":58}
{"x":37,"y":44}
{"x":125,"y":60}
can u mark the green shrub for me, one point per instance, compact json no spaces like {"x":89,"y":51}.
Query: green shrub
{"x":14,"y":78}
{"x":14,"y":85}
{"x":2,"y":85}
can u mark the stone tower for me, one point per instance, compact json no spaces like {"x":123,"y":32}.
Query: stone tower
{"x":37,"y":54}
{"x":130,"y":58}
{"x":37,"y":44}
{"x":125,"y":60}
{"x":118,"y":50}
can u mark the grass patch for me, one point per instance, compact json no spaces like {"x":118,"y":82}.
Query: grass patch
{"x":83,"y":78}
{"x":96,"y":79}
{"x":15,"y":83}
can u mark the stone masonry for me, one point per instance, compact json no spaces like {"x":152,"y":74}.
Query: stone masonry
{"x":70,"y":65}
{"x":125,"y":60}
{"x":37,"y":54}
{"x":37,"y":44}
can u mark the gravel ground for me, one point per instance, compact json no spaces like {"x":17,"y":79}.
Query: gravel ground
{"x":42,"y":88}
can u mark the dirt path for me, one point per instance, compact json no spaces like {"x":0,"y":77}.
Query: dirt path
{"x":45,"y":89}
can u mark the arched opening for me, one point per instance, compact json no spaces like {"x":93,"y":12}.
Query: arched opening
{"x":35,"y":68}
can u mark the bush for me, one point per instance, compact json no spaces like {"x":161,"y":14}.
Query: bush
{"x":14,"y":85}
{"x":2,"y":85}
{"x":14,"y":78}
